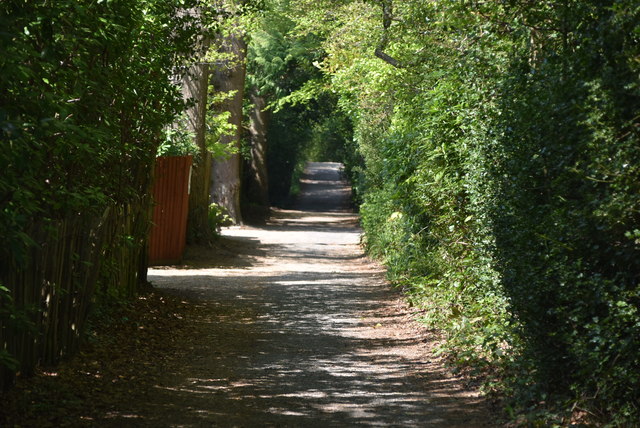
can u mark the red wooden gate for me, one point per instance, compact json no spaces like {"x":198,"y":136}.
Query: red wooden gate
{"x":171,"y":195}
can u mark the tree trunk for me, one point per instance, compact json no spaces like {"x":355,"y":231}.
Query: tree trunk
{"x":257,"y":177}
{"x":196,"y":87}
{"x":225,"y":174}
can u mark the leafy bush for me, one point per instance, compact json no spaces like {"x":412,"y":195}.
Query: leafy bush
{"x":218,"y":217}
{"x":561,"y":210}
{"x":501,"y":185}
{"x":179,"y":140}
{"x":86,"y":91}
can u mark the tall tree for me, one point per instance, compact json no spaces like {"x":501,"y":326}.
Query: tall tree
{"x":195,"y":87}
{"x":228,"y":76}
{"x":257,"y":174}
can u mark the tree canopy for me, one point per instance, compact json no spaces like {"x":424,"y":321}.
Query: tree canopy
{"x":499,"y":184}
{"x":493,"y":148}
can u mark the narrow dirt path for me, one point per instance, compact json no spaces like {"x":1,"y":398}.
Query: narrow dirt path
{"x":305,"y":332}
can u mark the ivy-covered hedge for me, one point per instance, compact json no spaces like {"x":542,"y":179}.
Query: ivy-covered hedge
{"x":562,"y":196}
{"x":502,"y":150}
{"x":86,"y":93}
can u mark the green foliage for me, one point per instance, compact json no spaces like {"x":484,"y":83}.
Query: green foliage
{"x":179,"y":140}
{"x":218,"y":217}
{"x":218,"y":125}
{"x":283,"y":67}
{"x":13,"y":319}
{"x":86,"y":100}
{"x":501,"y":185}
{"x":566,"y":193}
{"x":70,"y":87}
{"x":329,"y":136}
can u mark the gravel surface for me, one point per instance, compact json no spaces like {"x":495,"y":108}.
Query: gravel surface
{"x":302,"y":330}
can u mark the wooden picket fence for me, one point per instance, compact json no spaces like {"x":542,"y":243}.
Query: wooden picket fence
{"x":74,"y":261}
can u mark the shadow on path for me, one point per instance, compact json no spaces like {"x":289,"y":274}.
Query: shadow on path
{"x":308,"y":335}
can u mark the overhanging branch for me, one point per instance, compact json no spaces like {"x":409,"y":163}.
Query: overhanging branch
{"x":387,"y":17}
{"x":387,"y":58}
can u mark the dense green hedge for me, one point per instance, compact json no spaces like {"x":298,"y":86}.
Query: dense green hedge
{"x":86,"y":93}
{"x":502,"y":184}
{"x":562,"y":194}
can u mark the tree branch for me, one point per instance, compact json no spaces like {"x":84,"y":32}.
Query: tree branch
{"x":388,"y":59}
{"x":387,"y":18}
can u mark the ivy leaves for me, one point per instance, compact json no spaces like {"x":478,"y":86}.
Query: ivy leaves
{"x":501,"y":190}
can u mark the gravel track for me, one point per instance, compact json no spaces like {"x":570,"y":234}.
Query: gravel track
{"x":303,"y":331}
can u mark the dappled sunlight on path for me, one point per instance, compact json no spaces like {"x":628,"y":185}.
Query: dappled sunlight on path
{"x":308,"y":334}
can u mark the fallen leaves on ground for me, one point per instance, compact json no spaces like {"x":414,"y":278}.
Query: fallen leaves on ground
{"x":129,"y":348}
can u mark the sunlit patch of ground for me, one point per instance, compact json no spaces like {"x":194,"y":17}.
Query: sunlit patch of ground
{"x":288,"y":324}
